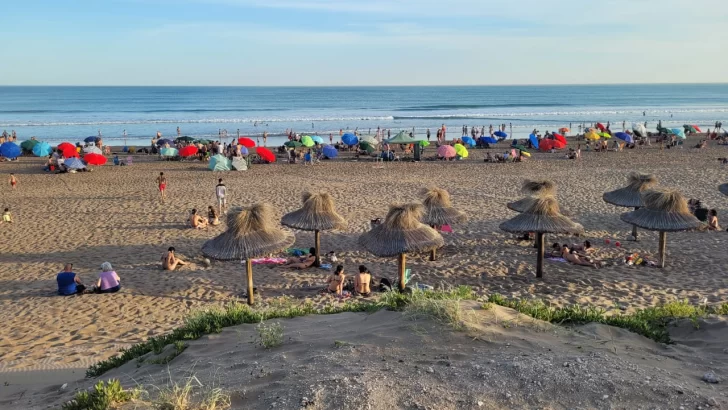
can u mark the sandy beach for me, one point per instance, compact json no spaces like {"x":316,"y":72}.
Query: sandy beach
{"x":114,"y":214}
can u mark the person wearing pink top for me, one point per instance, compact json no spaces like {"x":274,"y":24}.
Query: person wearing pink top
{"x":109,"y":281}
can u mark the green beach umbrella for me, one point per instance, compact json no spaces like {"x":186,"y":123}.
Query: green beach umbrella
{"x":424,"y":143}
{"x":520,"y":147}
{"x":366,"y":146}
{"x":293,"y":144}
{"x":28,"y":145}
{"x":184,"y":139}
{"x":307,"y":141}
{"x":203,"y":142}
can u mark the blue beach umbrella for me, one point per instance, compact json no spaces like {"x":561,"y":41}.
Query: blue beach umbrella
{"x":468,"y":141}
{"x":488,"y":140}
{"x":220,"y":163}
{"x":42,"y":149}
{"x":500,"y":134}
{"x":9,"y":150}
{"x":90,"y":139}
{"x":330,"y":152}
{"x":243,"y":151}
{"x":169,"y":152}
{"x":349,"y":139}
{"x":74,"y":163}
{"x":624,"y":137}
{"x":164,"y":141}
{"x":678,"y":133}
{"x":534,"y":140}
{"x":317,"y":139}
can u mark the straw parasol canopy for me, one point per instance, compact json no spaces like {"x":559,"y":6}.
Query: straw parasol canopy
{"x":251,"y":233}
{"x":542,"y":216}
{"x":317,"y":214}
{"x":533,"y":188}
{"x":439,"y":211}
{"x":401,"y":233}
{"x":631,"y":195}
{"x":664,"y":211}
{"x":723,"y":189}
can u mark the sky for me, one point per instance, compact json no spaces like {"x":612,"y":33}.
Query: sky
{"x":362,"y":42}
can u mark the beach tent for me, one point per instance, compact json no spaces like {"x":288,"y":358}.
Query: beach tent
{"x":542,"y":217}
{"x":624,"y":137}
{"x":239,"y":164}
{"x":402,"y":138}
{"x":330,"y":151}
{"x":10,"y":150}
{"x":664,"y":211}
{"x":251,"y":233}
{"x":349,"y":139}
{"x":439,"y":211}
{"x":42,"y":149}
{"x":461,"y":151}
{"x":631,"y":195}
{"x":401,"y":233}
{"x":220,"y":163}
{"x":317,"y":214}
{"x":534,"y":140}
{"x":468,"y":141}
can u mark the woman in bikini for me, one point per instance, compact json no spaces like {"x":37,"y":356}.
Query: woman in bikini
{"x":302,"y":262}
{"x":336,"y":281}
{"x":574,"y":258}
{"x":362,"y":280}
{"x":713,"y":220}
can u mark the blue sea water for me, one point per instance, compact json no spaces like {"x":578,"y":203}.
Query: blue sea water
{"x":56,"y":114}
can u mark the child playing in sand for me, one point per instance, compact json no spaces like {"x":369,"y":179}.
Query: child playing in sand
{"x":6,"y":216}
{"x":13,"y":181}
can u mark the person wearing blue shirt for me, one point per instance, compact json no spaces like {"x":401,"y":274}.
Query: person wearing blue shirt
{"x":68,"y":282}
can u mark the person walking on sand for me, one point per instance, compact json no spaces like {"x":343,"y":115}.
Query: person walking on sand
{"x":221,"y":194}
{"x":162,"y":183}
{"x":13,"y":181}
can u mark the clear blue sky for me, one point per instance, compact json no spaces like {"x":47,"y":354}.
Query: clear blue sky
{"x":362,"y":42}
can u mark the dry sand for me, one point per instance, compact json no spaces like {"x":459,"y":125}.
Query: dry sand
{"x":386,"y":361}
{"x":114,"y":214}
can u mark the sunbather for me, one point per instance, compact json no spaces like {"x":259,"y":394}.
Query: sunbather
{"x":713,"y":220}
{"x":302,"y":262}
{"x":170,"y":261}
{"x":196,"y":221}
{"x":336,"y":281}
{"x":574,"y":258}
{"x":362,"y":280}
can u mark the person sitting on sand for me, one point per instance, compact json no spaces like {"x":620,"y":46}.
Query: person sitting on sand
{"x":362,"y":280}
{"x":555,"y":250}
{"x":7,"y":217}
{"x":302,"y":262}
{"x":170,"y":261}
{"x":109,"y":281}
{"x":68,"y":282}
{"x":336,"y":281}
{"x":212,"y":217}
{"x":573,"y":257}
{"x":713,"y":220}
{"x":583,"y":248}
{"x":196,"y":221}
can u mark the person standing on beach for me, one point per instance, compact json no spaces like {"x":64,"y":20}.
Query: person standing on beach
{"x":389,"y":133}
{"x":428,"y":134}
{"x":179,"y":132}
{"x":341,"y":132}
{"x":221,"y":194}
{"x":439,"y":135}
{"x":13,"y":181}
{"x":331,"y":138}
{"x":162,"y":183}
{"x":444,"y":132}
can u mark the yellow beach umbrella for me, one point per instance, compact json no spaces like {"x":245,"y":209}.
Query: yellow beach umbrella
{"x":592,"y":136}
{"x":461,"y":150}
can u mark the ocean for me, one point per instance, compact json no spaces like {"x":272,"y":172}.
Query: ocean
{"x":57,"y":114}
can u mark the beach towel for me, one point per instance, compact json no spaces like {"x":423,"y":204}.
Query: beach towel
{"x":446,"y":228}
{"x":269,"y":261}
{"x":297,"y":252}
{"x":557,"y":259}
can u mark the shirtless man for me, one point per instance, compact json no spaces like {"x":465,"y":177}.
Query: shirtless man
{"x":574,"y":258}
{"x":362,"y":280}
{"x":162,"y":182}
{"x":197,"y":221}
{"x":169,"y":261}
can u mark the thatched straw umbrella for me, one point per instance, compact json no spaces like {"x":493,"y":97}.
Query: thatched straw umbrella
{"x":317,"y":214}
{"x":251,"y":234}
{"x":631,"y":195}
{"x":439,"y":211}
{"x":532,"y":188}
{"x":723,"y":189}
{"x":664,"y":211}
{"x":542,"y":217}
{"x":401,"y":233}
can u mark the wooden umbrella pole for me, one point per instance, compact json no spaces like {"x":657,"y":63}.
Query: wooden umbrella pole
{"x":539,"y":262}
{"x":634,"y":228}
{"x":402,"y":264}
{"x":249,"y":268}
{"x":317,"y":244}
{"x":433,"y":253}
{"x":663,"y":248}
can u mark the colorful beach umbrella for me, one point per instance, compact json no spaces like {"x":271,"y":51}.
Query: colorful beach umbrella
{"x":307,"y":141}
{"x":349,"y":139}
{"x":188,"y":151}
{"x":560,"y":138}
{"x":330,"y":151}
{"x":461,"y":150}
{"x":500,"y":134}
{"x":678,"y":133}
{"x":92,"y":150}
{"x":697,"y":129}
{"x":293,"y":144}
{"x":488,"y":140}
{"x":424,"y":143}
{"x":94,"y":159}
{"x":605,"y":135}
{"x":624,"y":137}
{"x":164,"y":141}
{"x":10,"y":150}
{"x":601,"y":126}
{"x":564,"y":130}
{"x":317,"y":139}
{"x":90,"y":139}
{"x":592,"y":136}
{"x":370,"y":140}
{"x":168,"y":152}
{"x":266,"y":155}
{"x":28,"y":145}
{"x":220,"y":162}
{"x":534,"y":140}
{"x":468,"y":141}
{"x":74,"y":163}
{"x":184,"y":139}
{"x":246,"y":142}
{"x":446,"y":151}
{"x":243,"y":151}
{"x":639,"y":130}
{"x":42,"y":149}
{"x":203,"y":141}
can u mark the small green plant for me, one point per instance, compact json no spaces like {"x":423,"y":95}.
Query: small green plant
{"x":270,"y":335}
{"x":179,"y":347}
{"x":444,"y":311}
{"x":340,"y":343}
{"x":191,"y":395}
{"x":486,"y":306}
{"x":103,"y":396}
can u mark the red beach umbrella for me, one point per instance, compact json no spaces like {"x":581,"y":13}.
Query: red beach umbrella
{"x":188,"y":151}
{"x":265,"y":154}
{"x":68,"y":150}
{"x":601,"y":126}
{"x":94,"y":159}
{"x":696,"y":128}
{"x":558,"y":144}
{"x":546,"y":144}
{"x":560,"y":138}
{"x":246,"y":142}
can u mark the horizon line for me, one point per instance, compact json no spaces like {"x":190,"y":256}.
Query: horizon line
{"x":361,"y":86}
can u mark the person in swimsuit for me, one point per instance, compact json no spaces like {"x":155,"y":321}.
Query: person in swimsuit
{"x":574,"y":258}
{"x":13,"y":181}
{"x":713,"y":220}
{"x":302,"y":262}
{"x":197,"y":221}
{"x":170,"y":261}
{"x":212,"y":217}
{"x":336,"y":281}
{"x":162,"y":182}
{"x":362,"y":281}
